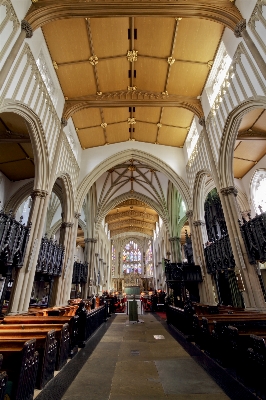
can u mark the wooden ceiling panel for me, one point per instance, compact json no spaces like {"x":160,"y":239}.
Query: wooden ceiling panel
{"x":187,"y":79}
{"x":27,"y":147}
{"x":110,"y":36}
{"x":169,"y":136}
{"x":113,"y":74}
{"x":14,"y":123}
{"x":18,"y":170}
{"x":261,"y":123}
{"x":241,"y":167}
{"x":194,"y":41}
{"x":148,"y":114}
{"x":10,"y":152}
{"x":145,"y":132}
{"x":177,"y":117}
{"x":151,"y":74}
{"x":77,"y":80}
{"x":91,"y":137}
{"x":117,"y":133}
{"x":87,"y":117}
{"x":250,"y":152}
{"x":150,"y":32}
{"x":67,"y":40}
{"x":112,"y":115}
{"x":249,"y":119}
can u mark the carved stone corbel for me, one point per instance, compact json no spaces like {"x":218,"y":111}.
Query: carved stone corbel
{"x":229,"y":190}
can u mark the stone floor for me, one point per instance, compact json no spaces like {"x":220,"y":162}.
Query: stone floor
{"x":130,"y":363}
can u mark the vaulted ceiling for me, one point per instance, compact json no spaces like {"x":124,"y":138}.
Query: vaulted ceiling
{"x":132,"y":78}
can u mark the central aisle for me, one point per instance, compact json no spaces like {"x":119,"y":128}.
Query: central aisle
{"x":129,"y":363}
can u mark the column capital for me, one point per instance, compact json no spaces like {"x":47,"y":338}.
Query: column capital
{"x":67,"y":224}
{"x":174,"y":239}
{"x":63,"y":122}
{"x":96,"y":254}
{"x":39,"y":193}
{"x":189,"y":213}
{"x":229,"y":190}
{"x":198,"y":223}
{"x":202,"y":121}
{"x":90,"y":240}
{"x":77,"y":215}
{"x":239,"y":28}
{"x":25,"y":26}
{"x":101,"y":259}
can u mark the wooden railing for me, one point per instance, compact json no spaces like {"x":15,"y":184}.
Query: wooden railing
{"x":254,"y":235}
{"x":51,"y":256}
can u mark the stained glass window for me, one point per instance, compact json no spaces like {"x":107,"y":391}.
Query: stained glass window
{"x":113,"y":260}
{"x":149,"y":260}
{"x":131,"y":258}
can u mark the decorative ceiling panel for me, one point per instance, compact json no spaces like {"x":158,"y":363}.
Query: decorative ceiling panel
{"x":241,"y":167}
{"x":91,"y":137}
{"x":171,"y":136}
{"x":151,"y":74}
{"x":117,"y":133}
{"x":67,"y":40}
{"x":150,"y":32}
{"x":110,"y":36}
{"x":77,"y":79}
{"x":250,"y":118}
{"x":159,"y":56}
{"x":16,"y":171}
{"x":197,"y":40}
{"x":145,"y":132}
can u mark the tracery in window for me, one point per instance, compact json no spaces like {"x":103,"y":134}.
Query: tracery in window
{"x":149,"y":260}
{"x":113,"y":260}
{"x":131,"y":258}
{"x":258,"y":190}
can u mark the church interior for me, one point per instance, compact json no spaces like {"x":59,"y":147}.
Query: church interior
{"x":132,"y":199}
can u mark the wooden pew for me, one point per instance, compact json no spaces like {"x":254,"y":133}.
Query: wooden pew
{"x":46,"y":346}
{"x":61,"y":335}
{"x":20,"y":361}
{"x":71,"y":320}
{"x":3,"y":379}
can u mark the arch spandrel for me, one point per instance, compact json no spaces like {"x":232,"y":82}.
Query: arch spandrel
{"x":123,"y":156}
{"x":222,"y":11}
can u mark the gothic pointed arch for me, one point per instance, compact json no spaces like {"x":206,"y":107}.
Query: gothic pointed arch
{"x":19,"y":197}
{"x":225,"y":165}
{"x":123,"y":156}
{"x":38,"y":141}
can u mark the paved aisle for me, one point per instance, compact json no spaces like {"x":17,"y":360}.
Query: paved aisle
{"x":130,"y":364}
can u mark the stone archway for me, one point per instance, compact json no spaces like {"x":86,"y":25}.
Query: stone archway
{"x":138,"y":155}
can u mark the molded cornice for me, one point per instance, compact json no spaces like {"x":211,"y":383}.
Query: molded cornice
{"x":222,"y":11}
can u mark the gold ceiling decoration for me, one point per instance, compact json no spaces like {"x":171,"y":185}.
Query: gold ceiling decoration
{"x":171,"y":60}
{"x":132,"y":88}
{"x":103,"y":124}
{"x":132,"y":55}
{"x":131,"y":121}
{"x":93,"y":60}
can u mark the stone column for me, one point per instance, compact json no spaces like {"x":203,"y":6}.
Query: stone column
{"x":241,"y":31}
{"x":90,"y":258}
{"x":26,"y":33}
{"x":23,"y":286}
{"x":206,"y":287}
{"x":101,"y":272}
{"x":253,"y":295}
{"x":96,"y":272}
{"x":105,"y":276}
{"x":175,"y":248}
{"x":64,"y":240}
{"x":67,"y":279}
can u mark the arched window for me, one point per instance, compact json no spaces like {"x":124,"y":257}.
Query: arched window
{"x":131,"y":258}
{"x":258,"y":190}
{"x":113,"y":260}
{"x":149,"y":260}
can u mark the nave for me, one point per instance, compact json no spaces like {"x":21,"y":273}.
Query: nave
{"x":125,"y":361}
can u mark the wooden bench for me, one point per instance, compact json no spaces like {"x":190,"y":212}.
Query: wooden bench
{"x":71,"y":320}
{"x":20,"y":361}
{"x":46,"y":346}
{"x":61,"y":335}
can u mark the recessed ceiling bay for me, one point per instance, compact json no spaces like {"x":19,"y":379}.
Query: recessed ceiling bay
{"x":113,"y":95}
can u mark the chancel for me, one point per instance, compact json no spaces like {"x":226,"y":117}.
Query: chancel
{"x":132,"y":189}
